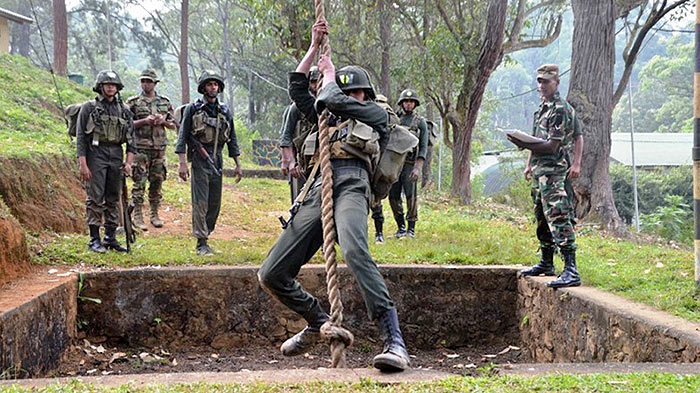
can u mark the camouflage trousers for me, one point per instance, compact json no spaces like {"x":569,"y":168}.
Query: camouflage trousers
{"x":149,"y":167}
{"x":409,"y":188}
{"x":377,"y":213}
{"x":304,"y":236}
{"x":554,"y":212}
{"x":103,"y":189}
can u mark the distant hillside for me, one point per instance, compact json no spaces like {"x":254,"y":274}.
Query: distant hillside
{"x":30,"y":118}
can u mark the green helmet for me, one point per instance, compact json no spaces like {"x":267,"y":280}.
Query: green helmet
{"x":409,"y":94}
{"x":207,"y":76}
{"x":107,"y":76}
{"x":314,"y":74}
{"x":149,"y":74}
{"x":354,"y":77}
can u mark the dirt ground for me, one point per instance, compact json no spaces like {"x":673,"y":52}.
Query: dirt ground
{"x":93,"y":358}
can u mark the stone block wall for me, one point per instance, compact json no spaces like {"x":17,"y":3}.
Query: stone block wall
{"x":588,"y":325}
{"x":224,"y":307}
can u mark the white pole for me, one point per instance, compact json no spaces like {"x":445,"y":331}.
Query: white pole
{"x":634,"y":164}
{"x":440,"y":158}
{"x":109,"y":33}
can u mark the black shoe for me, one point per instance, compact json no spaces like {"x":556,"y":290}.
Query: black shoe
{"x":111,"y":242}
{"x":394,"y":357}
{"x":401,"y":232}
{"x":203,"y":248}
{"x":569,"y":277}
{"x":306,"y":339}
{"x":379,"y":238}
{"x":95,"y":245}
{"x":544,"y":267}
{"x":411,"y":230}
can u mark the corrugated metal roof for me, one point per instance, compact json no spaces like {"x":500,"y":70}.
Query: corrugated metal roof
{"x":652,"y":149}
{"x":13,"y":16}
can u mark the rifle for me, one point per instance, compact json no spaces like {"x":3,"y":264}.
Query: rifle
{"x":127,"y":209}
{"x":300,"y":198}
{"x":199,"y":148}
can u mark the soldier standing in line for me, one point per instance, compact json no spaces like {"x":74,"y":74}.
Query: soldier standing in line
{"x":348,"y":96}
{"x":103,"y":126}
{"x":548,"y":164}
{"x":408,"y":101}
{"x":209,"y":124}
{"x":153,"y":113}
{"x":295,"y":129}
{"x":376,"y":205}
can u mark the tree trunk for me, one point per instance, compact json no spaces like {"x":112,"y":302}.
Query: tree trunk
{"x":184,"y":75}
{"x":385,"y":39}
{"x":251,"y":99}
{"x":60,"y":38}
{"x":21,"y":32}
{"x":591,"y":93}
{"x":470,"y":96}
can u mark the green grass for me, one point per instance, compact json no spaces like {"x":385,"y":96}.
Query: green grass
{"x":482,"y":234}
{"x":599,"y":383}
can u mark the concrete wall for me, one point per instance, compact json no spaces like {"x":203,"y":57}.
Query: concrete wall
{"x":587,"y":325}
{"x":37,"y":324}
{"x":225,"y":307}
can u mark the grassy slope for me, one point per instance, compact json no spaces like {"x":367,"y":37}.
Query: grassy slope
{"x":648,"y":382}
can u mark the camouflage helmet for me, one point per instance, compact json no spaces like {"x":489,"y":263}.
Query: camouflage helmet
{"x":207,"y":76}
{"x":149,"y":74}
{"x":408,"y":94}
{"x":107,"y":76}
{"x":354,"y":77}
{"x":314,"y":74}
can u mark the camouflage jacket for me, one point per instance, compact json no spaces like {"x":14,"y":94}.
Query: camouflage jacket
{"x":555,"y":120}
{"x":418,"y":126}
{"x":147,"y":136}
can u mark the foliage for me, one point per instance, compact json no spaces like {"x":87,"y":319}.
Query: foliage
{"x":30,"y":117}
{"x":663,"y":101}
{"x":653,"y":186}
{"x":671,"y":221}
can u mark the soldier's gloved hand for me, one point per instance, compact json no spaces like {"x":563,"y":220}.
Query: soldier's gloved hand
{"x":415,"y":173}
{"x":527,"y":172}
{"x":238,"y":173}
{"x":85,"y":174}
{"x":126,"y":169}
{"x":183,"y":171}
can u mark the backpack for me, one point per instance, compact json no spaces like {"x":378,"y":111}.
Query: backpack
{"x":432,"y":133}
{"x":391,"y":160}
{"x":71,"y":115}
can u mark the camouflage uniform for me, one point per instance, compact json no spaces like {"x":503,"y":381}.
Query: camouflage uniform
{"x":151,"y":141}
{"x":295,"y":128}
{"x":417,"y":125}
{"x":553,"y":205}
{"x":376,"y":205}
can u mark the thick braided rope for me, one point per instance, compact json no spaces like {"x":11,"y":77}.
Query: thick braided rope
{"x":340,"y":338}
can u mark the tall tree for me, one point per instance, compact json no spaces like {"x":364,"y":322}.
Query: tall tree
{"x":482,"y":40}
{"x":593,"y":94}
{"x":60,"y":37}
{"x":183,"y":55}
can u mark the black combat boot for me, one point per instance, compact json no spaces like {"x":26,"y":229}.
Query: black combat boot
{"x":545,"y":266}
{"x":394,"y":357}
{"x":111,"y":242}
{"x":95,"y":244}
{"x":401,"y":232}
{"x":569,"y":277}
{"x":203,"y":248}
{"x":411,"y":229}
{"x":379,"y":233}
{"x":306,"y":339}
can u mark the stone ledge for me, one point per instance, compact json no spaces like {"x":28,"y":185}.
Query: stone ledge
{"x":37,"y":323}
{"x":585,"y":324}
